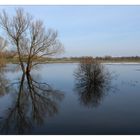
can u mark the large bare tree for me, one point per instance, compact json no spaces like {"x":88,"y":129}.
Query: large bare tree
{"x":32,"y":41}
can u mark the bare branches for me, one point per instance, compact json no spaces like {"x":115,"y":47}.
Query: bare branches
{"x":30,"y":37}
{"x":15,"y":26}
{"x":43,"y":43}
{"x":3,"y":44}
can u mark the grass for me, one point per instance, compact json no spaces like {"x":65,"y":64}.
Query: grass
{"x":55,"y":60}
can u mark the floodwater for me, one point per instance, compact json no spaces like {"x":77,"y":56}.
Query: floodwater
{"x":70,"y":99}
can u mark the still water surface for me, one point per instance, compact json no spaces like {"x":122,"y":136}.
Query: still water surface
{"x":53,"y":100}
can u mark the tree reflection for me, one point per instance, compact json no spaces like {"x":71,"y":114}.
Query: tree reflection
{"x":92,"y":81}
{"x":3,"y":82}
{"x":34,"y":101}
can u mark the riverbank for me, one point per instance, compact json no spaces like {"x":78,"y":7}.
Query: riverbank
{"x":71,"y":60}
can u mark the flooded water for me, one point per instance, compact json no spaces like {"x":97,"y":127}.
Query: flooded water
{"x":71,"y":99}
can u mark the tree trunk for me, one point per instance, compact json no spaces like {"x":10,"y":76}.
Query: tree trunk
{"x":20,"y":59}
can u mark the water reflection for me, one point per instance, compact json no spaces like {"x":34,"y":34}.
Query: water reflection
{"x":33,"y":101}
{"x":92,"y":82}
{"x":3,"y":83}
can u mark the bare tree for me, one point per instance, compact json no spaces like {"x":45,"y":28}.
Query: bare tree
{"x":29,"y":36}
{"x":3,"y":44}
{"x":92,"y":82}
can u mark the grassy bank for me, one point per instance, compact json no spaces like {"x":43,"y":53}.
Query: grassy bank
{"x":62,"y":60}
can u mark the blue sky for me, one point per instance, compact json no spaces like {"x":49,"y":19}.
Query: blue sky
{"x":92,"y":30}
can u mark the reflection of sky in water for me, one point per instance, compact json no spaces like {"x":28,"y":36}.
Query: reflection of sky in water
{"x":118,"y":112}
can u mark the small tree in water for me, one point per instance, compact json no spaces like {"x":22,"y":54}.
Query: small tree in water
{"x":30,"y":38}
{"x":92,"y":82}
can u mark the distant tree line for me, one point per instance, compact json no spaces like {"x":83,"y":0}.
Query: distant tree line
{"x":104,"y":58}
{"x":12,"y":56}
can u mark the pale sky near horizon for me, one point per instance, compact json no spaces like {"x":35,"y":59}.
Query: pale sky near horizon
{"x":91,"y":30}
